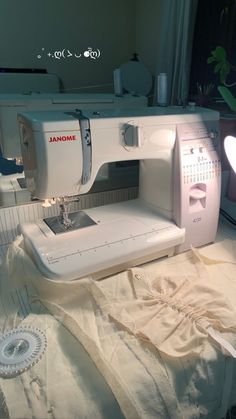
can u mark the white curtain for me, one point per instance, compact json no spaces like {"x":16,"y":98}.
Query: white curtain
{"x":174,"y":49}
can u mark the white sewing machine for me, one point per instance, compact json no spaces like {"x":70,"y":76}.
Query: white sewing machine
{"x":12,"y":104}
{"x":12,"y":189}
{"x":179,"y":187}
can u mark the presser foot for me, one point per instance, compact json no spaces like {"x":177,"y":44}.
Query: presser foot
{"x":75,"y":221}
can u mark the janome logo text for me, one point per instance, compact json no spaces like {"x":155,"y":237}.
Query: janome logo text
{"x":62,"y":138}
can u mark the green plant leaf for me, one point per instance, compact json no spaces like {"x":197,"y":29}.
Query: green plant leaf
{"x":224,"y":71}
{"x":210,"y":60}
{"x":219,"y":53}
{"x":227,"y":67}
{"x":218,"y":68}
{"x":228,"y":97}
{"x":222,"y":67}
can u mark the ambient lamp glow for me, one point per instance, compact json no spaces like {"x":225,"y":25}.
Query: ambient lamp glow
{"x":230,"y":150}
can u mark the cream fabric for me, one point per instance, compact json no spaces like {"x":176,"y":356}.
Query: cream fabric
{"x":145,"y":330}
{"x":64,"y":384}
{"x":173,"y":312}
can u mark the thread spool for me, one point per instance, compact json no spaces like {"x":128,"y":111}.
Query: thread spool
{"x":192,"y":106}
{"x":162,"y":89}
{"x":117,"y":82}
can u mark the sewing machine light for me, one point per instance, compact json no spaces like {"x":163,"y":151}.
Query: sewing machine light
{"x":230,"y":150}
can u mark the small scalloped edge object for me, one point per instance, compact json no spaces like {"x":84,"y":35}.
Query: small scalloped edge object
{"x":20,"y":349}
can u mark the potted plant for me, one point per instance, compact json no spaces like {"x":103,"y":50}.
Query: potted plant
{"x":223,"y":68}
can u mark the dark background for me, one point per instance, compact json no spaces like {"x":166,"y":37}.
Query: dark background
{"x":215,"y":26}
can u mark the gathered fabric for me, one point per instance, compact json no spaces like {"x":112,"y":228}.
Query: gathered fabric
{"x":174,"y":313}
